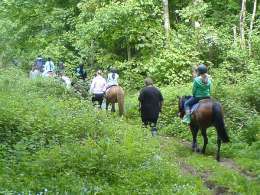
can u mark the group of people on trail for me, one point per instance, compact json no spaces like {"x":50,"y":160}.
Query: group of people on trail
{"x":49,"y":69}
{"x":100,"y":85}
{"x":46,"y":68}
{"x":151,"y":99}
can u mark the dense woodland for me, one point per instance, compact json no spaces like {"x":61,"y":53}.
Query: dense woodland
{"x":53,"y":141}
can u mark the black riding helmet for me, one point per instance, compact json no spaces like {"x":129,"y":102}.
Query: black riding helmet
{"x":113,"y":70}
{"x":202,"y":69}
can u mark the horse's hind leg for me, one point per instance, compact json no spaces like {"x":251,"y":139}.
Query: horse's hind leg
{"x":194,"y":131}
{"x":218,"y":150}
{"x":113,"y":107}
{"x":107,"y":104}
{"x":205,"y":138}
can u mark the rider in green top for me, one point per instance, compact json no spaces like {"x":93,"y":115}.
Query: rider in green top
{"x":201,"y":87}
{"x":201,"y":90}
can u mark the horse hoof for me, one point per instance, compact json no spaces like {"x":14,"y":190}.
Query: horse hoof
{"x":198,"y":150}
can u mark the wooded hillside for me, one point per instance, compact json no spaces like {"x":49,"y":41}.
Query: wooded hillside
{"x":53,"y":141}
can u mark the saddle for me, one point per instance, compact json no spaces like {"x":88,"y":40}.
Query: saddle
{"x":109,"y":87}
{"x":195,"y":106}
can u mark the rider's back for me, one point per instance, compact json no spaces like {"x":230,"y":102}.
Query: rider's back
{"x":112,"y":79}
{"x":201,"y":87}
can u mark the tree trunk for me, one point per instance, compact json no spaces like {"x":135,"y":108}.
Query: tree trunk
{"x":91,"y":59}
{"x":251,"y":27}
{"x":235,"y":35}
{"x":242,"y":24}
{"x":166,"y":17}
{"x":129,"y":55}
{"x":196,"y":23}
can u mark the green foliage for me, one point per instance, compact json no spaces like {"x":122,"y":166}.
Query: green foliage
{"x":52,"y":141}
{"x":51,"y":138}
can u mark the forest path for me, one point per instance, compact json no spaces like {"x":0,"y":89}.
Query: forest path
{"x":224,"y":177}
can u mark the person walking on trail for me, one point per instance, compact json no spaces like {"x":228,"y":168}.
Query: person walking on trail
{"x":150,"y":104}
{"x":49,"y":68}
{"x":112,"y":78}
{"x":34,"y":73}
{"x":39,"y":63}
{"x":60,"y":68}
{"x":97,"y":88}
{"x":66,"y":80}
{"x":202,"y":85}
{"x":81,"y":72}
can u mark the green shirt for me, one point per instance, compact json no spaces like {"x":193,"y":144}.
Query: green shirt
{"x":200,"y":88}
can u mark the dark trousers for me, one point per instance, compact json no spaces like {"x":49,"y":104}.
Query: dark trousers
{"x":193,"y":100}
{"x":98,"y":98}
{"x":151,"y":121}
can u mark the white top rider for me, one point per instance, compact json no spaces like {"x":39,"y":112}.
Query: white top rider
{"x":112,"y":78}
{"x":48,"y":67}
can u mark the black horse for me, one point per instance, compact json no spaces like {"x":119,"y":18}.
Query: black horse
{"x":208,"y":113}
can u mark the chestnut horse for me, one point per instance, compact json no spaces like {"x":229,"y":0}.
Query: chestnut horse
{"x":208,"y":113}
{"x":115,"y":94}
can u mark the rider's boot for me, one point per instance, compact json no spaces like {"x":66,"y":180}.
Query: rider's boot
{"x":187,"y":117}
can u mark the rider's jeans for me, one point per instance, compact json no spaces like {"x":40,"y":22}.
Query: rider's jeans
{"x":193,"y":100}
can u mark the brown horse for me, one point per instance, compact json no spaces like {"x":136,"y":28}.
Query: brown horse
{"x":208,"y":113}
{"x":115,"y":94}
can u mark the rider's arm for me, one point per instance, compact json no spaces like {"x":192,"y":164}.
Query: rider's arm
{"x":194,"y":87}
{"x":92,"y":86}
{"x":210,"y":89}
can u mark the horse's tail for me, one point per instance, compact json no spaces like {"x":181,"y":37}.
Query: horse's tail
{"x":218,"y":120}
{"x":120,"y":100}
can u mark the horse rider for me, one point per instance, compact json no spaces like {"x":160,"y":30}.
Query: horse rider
{"x":112,"y":78}
{"x":150,"y":104}
{"x":201,"y":90}
{"x":81,"y":72}
{"x":97,"y":88}
{"x":39,"y":63}
{"x":49,"y":68}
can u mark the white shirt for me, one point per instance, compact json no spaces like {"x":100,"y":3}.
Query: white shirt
{"x":112,"y":81}
{"x":49,"y":66}
{"x":67,"y":81}
{"x":98,"y":85}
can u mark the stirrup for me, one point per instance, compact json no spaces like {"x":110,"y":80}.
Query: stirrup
{"x":186,"y":119}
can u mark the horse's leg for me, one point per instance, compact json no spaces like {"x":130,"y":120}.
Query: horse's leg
{"x":205,"y":138}
{"x":113,"y":107}
{"x":218,"y":150}
{"x":194,"y":131}
{"x":107,"y":104}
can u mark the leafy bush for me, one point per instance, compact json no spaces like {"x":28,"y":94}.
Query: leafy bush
{"x":55,"y":142}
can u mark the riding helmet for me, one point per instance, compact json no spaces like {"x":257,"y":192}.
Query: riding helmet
{"x":113,"y":70}
{"x":202,"y":69}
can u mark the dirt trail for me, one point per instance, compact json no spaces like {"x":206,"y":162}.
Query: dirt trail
{"x":205,"y":175}
{"x":228,"y":163}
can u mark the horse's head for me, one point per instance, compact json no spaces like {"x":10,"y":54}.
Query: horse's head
{"x":181,"y":102}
